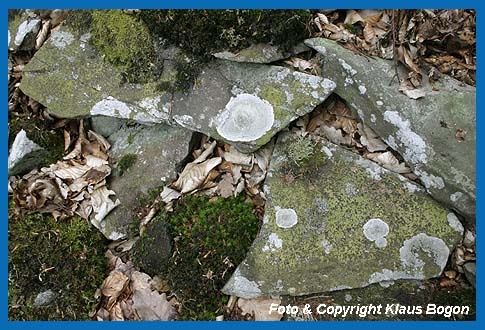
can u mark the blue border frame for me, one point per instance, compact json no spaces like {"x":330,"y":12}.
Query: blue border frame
{"x":206,"y":4}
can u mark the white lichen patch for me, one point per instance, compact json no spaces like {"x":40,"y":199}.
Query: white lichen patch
{"x":28,"y":26}
{"x":245,"y":288}
{"x":273,"y":243}
{"x":372,"y":118}
{"x":61,"y":39}
{"x":415,"y":147}
{"x":455,"y":223}
{"x":374,"y":170}
{"x":456,"y":196}
{"x":351,"y":189}
{"x":245,"y":118}
{"x":433,"y":247}
{"x":387,"y":275}
{"x":21,"y":147}
{"x":327,"y":151}
{"x":327,"y":246}
{"x":286,"y":218}
{"x":347,"y":67}
{"x":111,"y":107}
{"x":375,"y":230}
{"x":379,"y":103}
{"x":84,"y":40}
{"x":430,"y":181}
{"x":411,"y":187}
{"x":362,"y":90}
{"x":185,"y":121}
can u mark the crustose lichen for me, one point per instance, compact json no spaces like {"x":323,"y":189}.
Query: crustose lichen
{"x":300,"y":149}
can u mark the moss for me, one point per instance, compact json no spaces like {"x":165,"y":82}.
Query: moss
{"x":71,"y":253}
{"x":210,"y":239}
{"x":200,"y":33}
{"x":126,"y":162}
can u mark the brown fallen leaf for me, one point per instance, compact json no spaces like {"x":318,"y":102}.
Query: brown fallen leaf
{"x":112,"y":287}
{"x":225,"y":186}
{"x":194,"y":174}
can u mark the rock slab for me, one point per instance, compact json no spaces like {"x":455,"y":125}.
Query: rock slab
{"x":145,"y":158}
{"x":339,"y":222}
{"x":436,"y":134}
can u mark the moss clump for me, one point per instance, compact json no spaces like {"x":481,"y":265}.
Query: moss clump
{"x":126,"y":162}
{"x":300,"y":149}
{"x":66,"y":257}
{"x":125,"y":41}
{"x":210,"y":239}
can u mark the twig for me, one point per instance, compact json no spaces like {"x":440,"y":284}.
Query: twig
{"x":394,"y":49}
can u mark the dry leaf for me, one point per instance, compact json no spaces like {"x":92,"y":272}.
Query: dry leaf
{"x":389,"y":161}
{"x":226,"y":187}
{"x":112,"y":286}
{"x":194,"y":174}
{"x":259,"y":308}
{"x":370,"y":139}
{"x":236,"y":157}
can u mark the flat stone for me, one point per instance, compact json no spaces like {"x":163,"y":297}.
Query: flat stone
{"x":70,"y":78}
{"x":247,"y":104}
{"x":106,"y":126}
{"x":157,"y":152}
{"x":426,"y":132}
{"x":24,"y":155}
{"x":470,"y":269}
{"x":385,"y":228}
{"x":45,"y":299}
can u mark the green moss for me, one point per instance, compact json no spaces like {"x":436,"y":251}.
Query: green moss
{"x":71,"y":253}
{"x":210,"y":239}
{"x":126,"y":162}
{"x":273,"y":95}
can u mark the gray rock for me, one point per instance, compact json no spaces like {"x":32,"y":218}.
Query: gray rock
{"x":22,"y":31}
{"x":145,"y":157}
{"x":470,"y":269}
{"x":423,"y":131}
{"x":154,"y":248}
{"x":45,"y":299}
{"x":260,"y":53}
{"x":469,"y":239}
{"x":247,"y":104}
{"x":24,"y":155}
{"x":318,"y":236}
{"x":70,"y":78}
{"x":106,"y":126}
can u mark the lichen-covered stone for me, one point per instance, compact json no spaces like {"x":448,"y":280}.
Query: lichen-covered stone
{"x":71,"y":78}
{"x":318,"y":235}
{"x":282,"y":95}
{"x":154,"y":153}
{"x":436,"y":134}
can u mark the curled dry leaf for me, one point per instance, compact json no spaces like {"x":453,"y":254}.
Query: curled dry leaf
{"x":113,"y":286}
{"x":370,"y":139}
{"x":194,"y":174}
{"x":389,"y":161}
{"x":169,"y":194}
{"x":236,"y":157}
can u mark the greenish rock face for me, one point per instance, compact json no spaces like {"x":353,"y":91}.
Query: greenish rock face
{"x":346,"y":223}
{"x":70,"y":77}
{"x":423,"y":131}
{"x":149,"y":156}
{"x":22,"y":30}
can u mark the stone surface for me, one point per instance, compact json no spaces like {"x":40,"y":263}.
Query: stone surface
{"x":106,"y":126}
{"x":45,"y":298}
{"x":22,"y":31}
{"x":260,"y":53}
{"x":154,"y":248}
{"x":423,"y":131}
{"x":24,"y":155}
{"x":470,"y":269}
{"x":70,"y":78}
{"x":156,"y":152}
{"x":226,"y":93}
{"x":347,"y":223}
